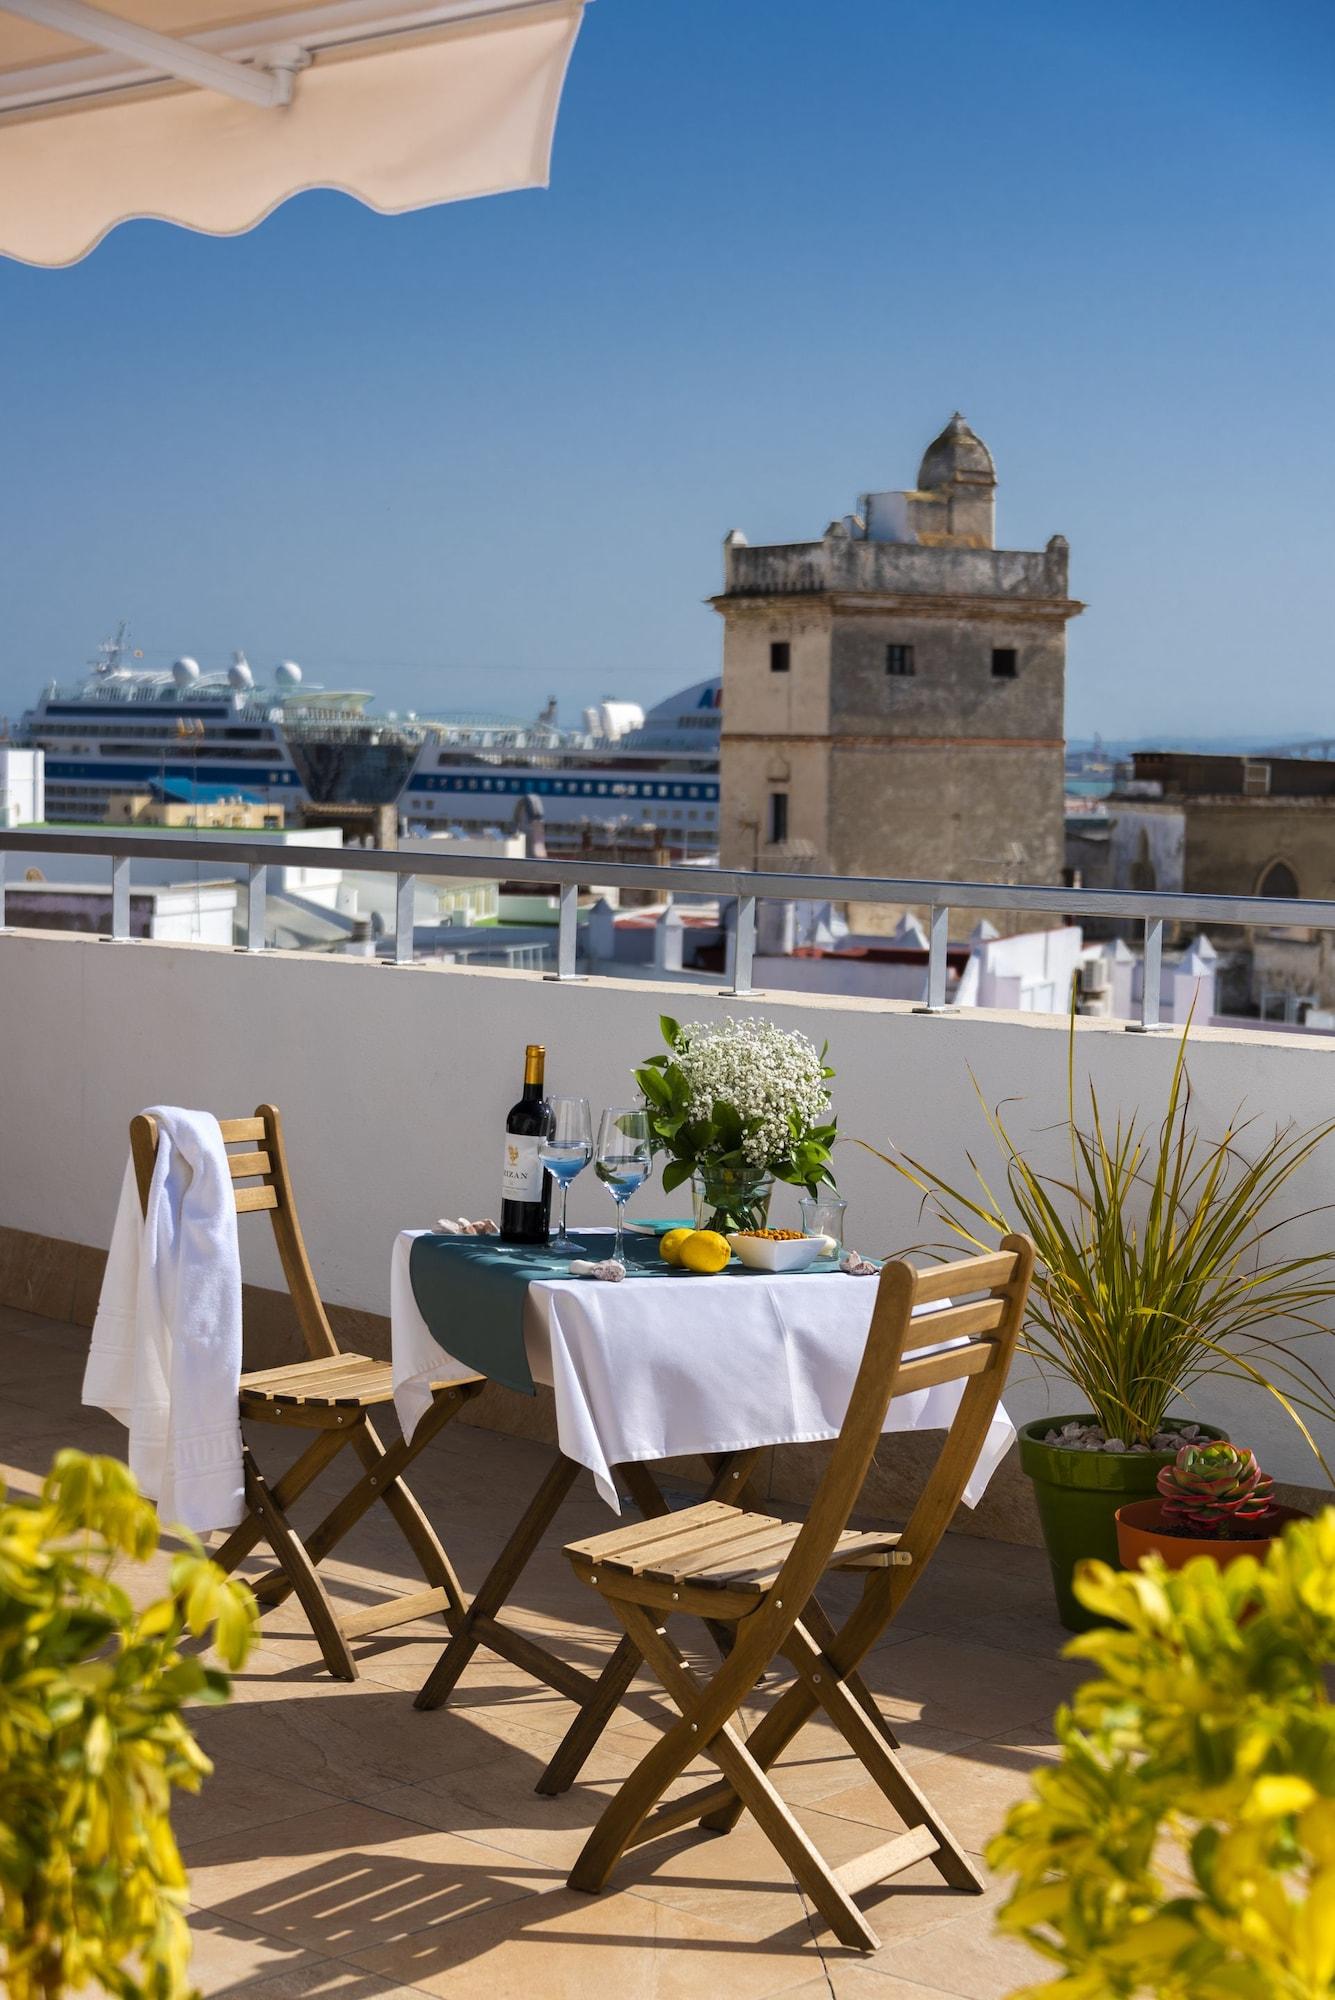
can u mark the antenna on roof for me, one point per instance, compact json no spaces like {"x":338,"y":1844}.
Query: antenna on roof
{"x":111,"y":654}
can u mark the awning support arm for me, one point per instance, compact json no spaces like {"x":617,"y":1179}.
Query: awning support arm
{"x":268,"y":87}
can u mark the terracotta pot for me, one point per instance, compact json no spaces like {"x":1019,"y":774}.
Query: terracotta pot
{"x":1139,"y":1533}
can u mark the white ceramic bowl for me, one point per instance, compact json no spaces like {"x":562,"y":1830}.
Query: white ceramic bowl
{"x":769,"y":1253}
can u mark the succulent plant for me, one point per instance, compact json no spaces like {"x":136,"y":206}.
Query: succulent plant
{"x":1216,"y":1490}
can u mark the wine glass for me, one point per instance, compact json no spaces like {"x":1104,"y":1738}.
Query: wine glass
{"x":624,"y":1158}
{"x":565,"y":1152}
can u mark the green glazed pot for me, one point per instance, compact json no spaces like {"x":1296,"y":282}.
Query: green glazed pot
{"x":1078,"y":1494}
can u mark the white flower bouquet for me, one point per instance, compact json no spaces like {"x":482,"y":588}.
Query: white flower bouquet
{"x":738,"y":1105}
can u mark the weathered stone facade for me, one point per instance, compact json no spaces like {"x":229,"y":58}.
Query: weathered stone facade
{"x":893,"y":694}
{"x":1232,"y":826}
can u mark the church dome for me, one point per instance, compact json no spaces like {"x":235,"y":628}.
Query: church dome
{"x":957,"y":457}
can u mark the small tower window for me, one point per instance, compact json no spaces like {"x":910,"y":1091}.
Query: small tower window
{"x":899,"y":660}
{"x":778,"y":818}
{"x":1003,"y":663}
{"x":1279,"y":880}
{"x":780,"y":656}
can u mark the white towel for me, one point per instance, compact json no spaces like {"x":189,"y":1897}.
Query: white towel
{"x":165,"y":1359}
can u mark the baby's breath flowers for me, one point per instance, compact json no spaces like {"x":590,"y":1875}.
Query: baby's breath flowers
{"x":740,"y":1095}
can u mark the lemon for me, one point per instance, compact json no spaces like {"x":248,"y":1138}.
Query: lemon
{"x":704,"y":1251}
{"x":670,"y":1242}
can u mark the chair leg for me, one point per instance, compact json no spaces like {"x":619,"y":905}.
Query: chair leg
{"x":579,"y":1740}
{"x":300,"y":1571}
{"x":845,"y":1650}
{"x":283,"y":1493}
{"x":879,"y":1761}
{"x":824,"y":1633}
{"x":626,"y":1817}
{"x":414,"y":1526}
{"x":731,"y":1471}
{"x":380,"y":1481}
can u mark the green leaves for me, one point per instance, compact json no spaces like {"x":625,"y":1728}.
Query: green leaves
{"x":1184,"y":1844}
{"x":735,"y":1129}
{"x":92,"y":1740}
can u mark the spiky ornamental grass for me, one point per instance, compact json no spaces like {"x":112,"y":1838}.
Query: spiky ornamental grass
{"x":1157,"y":1266}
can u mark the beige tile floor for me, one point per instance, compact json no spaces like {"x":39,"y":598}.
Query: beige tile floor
{"x":347,"y":1846}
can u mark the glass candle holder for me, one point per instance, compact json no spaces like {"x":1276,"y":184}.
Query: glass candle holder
{"x":823,"y":1215}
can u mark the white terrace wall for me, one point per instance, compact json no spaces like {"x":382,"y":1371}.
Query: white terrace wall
{"x":394,"y":1082}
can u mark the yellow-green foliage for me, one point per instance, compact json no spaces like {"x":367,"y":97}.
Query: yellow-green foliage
{"x":92,"y":1891}
{"x":1185,"y":1844}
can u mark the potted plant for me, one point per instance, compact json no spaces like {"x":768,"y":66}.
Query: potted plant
{"x":1182,"y":1843}
{"x":1157,"y":1269}
{"x":736,"y":1107}
{"x":1214,"y":1500}
{"x":92,"y":1740}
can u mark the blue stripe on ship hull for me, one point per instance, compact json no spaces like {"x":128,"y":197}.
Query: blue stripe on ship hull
{"x":678,"y":790}
{"x":144,"y":774}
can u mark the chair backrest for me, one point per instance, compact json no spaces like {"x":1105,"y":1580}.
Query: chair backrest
{"x":261,"y":1184}
{"x":904,"y":1354}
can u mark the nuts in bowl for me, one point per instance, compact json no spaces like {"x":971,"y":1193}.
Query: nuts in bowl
{"x":776,"y":1249}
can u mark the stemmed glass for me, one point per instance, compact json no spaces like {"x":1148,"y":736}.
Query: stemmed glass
{"x":624,"y":1158}
{"x":565,"y":1153}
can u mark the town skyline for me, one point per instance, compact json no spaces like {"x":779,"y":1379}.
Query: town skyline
{"x":483,"y":455}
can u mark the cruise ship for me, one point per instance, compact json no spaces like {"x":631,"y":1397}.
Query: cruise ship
{"x":125,"y":726}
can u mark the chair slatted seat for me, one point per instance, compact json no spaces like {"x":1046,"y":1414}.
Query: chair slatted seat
{"x":729,"y":1551}
{"x":332,"y":1393}
{"x":757,"y":1577}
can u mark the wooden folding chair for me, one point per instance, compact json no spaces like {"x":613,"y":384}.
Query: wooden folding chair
{"x":332,"y":1393}
{"x":759,"y":1576}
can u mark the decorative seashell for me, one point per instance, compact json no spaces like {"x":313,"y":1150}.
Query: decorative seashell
{"x":608,"y":1268}
{"x":856,"y":1266}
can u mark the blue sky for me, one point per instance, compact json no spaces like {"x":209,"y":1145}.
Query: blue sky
{"x":476,"y":456}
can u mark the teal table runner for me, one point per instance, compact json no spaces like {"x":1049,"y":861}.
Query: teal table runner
{"x":470,"y":1290}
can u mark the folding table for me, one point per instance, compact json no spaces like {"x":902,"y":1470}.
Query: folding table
{"x":659,"y":1366}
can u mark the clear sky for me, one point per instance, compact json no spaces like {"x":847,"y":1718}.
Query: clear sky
{"x":484,"y":454}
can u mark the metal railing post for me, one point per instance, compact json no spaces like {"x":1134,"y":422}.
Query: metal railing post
{"x":404,"y":895}
{"x":248,"y":859}
{"x":743,"y":945}
{"x":567,"y":936}
{"x":120,"y":897}
{"x":938,"y":961}
{"x":1152,"y":970}
{"x":256,"y":877}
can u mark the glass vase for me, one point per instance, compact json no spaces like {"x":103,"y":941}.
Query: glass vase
{"x":729,"y":1198}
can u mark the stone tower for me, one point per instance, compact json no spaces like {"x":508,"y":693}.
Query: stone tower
{"x":893,"y":694}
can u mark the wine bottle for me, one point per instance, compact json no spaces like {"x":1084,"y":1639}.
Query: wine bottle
{"x":526,"y":1191}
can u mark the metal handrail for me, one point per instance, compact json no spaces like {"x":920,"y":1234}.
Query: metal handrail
{"x":743,"y":888}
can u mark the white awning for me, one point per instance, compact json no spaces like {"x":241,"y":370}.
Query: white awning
{"x":212,"y":112}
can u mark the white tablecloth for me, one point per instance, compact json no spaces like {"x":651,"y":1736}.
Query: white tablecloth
{"x":654,"y":1368}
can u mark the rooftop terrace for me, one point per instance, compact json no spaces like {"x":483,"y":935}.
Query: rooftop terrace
{"x":350,"y":1846}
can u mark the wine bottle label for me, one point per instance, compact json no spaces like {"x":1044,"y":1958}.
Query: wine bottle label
{"x":522,"y":1172}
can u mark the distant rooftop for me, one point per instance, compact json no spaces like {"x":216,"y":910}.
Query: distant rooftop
{"x":186,"y":791}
